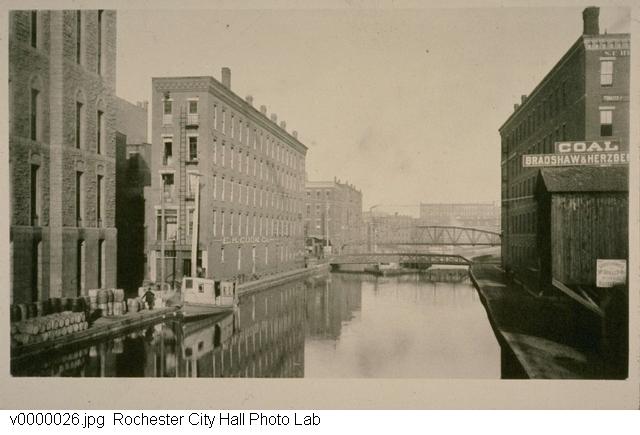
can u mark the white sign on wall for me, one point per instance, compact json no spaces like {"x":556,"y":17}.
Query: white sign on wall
{"x":611,"y":272}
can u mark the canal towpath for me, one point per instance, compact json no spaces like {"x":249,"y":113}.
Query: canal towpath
{"x":540,"y":337}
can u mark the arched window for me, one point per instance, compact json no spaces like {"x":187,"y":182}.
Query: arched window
{"x":79,"y":120}
{"x":100,"y":127}
{"x":35,"y":109}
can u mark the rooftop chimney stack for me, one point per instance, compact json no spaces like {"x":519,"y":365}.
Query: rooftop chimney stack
{"x":295,"y":134}
{"x":283,"y":125}
{"x":590,"y":18}
{"x":515,"y":107}
{"x":263,"y":109}
{"x":523,"y":98}
{"x":226,"y":77}
{"x":249,"y":99}
{"x":274,"y":117}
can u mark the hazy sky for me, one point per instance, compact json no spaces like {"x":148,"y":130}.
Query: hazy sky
{"x":405,"y":104}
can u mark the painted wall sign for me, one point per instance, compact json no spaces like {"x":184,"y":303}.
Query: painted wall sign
{"x":602,"y":146}
{"x":575,"y":159}
{"x":614,"y":53}
{"x":611,"y":272}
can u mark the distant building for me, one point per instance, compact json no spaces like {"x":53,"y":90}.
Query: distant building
{"x":133,"y":174}
{"x":62,"y":74}
{"x":384,"y":227}
{"x":250,"y":173}
{"x":470,"y":215}
{"x":585,"y":97}
{"x":333,"y":213}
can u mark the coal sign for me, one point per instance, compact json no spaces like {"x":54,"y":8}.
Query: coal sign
{"x":580,"y":153}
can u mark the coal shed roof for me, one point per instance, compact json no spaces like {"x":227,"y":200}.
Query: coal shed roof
{"x":585,"y":179}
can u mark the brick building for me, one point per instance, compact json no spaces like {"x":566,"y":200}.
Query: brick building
{"x":333,"y":213}
{"x":62,"y":71}
{"x":251,"y":183}
{"x":471,"y":215}
{"x":585,"y":96}
{"x":133,"y":174}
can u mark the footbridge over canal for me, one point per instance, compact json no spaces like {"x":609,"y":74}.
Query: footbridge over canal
{"x":417,"y":260}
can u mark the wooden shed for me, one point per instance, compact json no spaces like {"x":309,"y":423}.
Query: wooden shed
{"x":582,"y":217}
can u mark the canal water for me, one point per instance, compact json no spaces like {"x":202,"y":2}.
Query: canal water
{"x":334,"y":326}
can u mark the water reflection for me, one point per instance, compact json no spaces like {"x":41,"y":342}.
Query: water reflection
{"x":339,"y":325}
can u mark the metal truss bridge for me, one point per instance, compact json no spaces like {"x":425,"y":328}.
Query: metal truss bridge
{"x":432,"y":235}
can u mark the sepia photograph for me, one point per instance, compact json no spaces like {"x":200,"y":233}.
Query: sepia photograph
{"x":353,"y":192}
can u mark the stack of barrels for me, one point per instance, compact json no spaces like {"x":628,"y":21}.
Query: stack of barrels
{"x":119,"y":304}
{"x":47,"y":327}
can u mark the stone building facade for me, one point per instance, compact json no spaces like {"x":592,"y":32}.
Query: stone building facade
{"x":585,"y":96}
{"x":62,"y":71}
{"x":333,"y":213}
{"x":250,"y":172}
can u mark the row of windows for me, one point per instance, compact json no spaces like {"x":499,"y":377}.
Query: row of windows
{"x":235,"y":192}
{"x":79,"y":37}
{"x":80,"y":199}
{"x":36,"y":197}
{"x":523,"y":188}
{"x":238,"y":161}
{"x":523,"y":223}
{"x":546,"y":110}
{"x":551,"y":105}
{"x":37,"y":261}
{"x":236,"y":129}
{"x":229,"y":224}
{"x":283,"y":252}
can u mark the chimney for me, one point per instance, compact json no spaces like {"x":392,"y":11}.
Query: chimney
{"x":515,"y":107}
{"x":283,"y":125}
{"x":226,"y":77}
{"x":249,"y":99}
{"x":295,"y":134}
{"x":263,"y":110}
{"x":523,"y":98}
{"x":590,"y":21}
{"x":274,"y":117}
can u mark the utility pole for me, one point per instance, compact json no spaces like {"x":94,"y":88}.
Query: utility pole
{"x":162,"y":232}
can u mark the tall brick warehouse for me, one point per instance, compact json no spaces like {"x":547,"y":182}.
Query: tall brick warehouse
{"x":585,"y":96}
{"x":251,"y":174}
{"x":62,"y":72}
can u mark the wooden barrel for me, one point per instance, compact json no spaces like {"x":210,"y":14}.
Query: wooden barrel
{"x":32,"y":310}
{"x":103,"y":296}
{"x":103,"y":309}
{"x":46,"y":307}
{"x":40,"y":309}
{"x":67,"y":304}
{"x":118,"y":295}
{"x":93,"y":292}
{"x":56,"y":305}
{"x":16,"y":314}
{"x":110,"y":294}
{"x":109,"y":309}
{"x":132,"y":305}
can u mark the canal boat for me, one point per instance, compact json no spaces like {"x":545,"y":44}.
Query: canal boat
{"x":203,"y":297}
